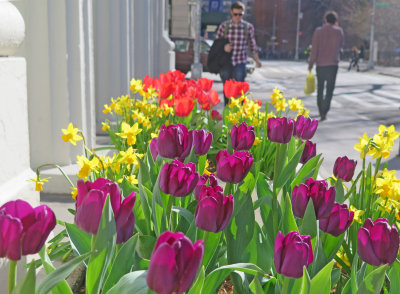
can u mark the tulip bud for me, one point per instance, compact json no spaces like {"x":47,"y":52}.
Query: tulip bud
{"x":24,"y":229}
{"x":344,"y":168}
{"x":242,"y":137}
{"x":279,"y":129}
{"x":323,"y":199}
{"x":233,"y":168}
{"x":212,"y":181}
{"x":89,"y":204}
{"x":378,"y":243}
{"x":291,"y":253}
{"x":304,"y":128}
{"x":216,"y":115}
{"x":214,"y":210}
{"x":202,"y":141}
{"x":174,"y":263}
{"x":174,"y":141}
{"x":178,"y":179}
{"x":338,"y":221}
{"x":309,"y":151}
{"x":154,"y":149}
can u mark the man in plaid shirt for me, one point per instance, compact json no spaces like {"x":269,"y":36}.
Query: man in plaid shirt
{"x":238,"y":43}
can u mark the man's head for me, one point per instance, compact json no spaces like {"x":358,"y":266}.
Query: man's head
{"x":331,"y":17}
{"x":237,"y":11}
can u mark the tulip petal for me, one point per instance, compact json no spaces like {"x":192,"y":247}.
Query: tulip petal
{"x":365,"y":250}
{"x":10,"y":236}
{"x":206,"y":213}
{"x":88,"y":214}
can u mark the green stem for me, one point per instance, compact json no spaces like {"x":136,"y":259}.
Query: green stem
{"x":274,"y":194}
{"x":12,"y":276}
{"x":228,"y":188}
{"x":285,"y":285}
{"x":59,"y":168}
{"x":169,"y":208}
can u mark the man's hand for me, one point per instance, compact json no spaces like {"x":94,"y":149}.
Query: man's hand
{"x":228,"y":47}
{"x":310,"y":68}
{"x":258,"y":64}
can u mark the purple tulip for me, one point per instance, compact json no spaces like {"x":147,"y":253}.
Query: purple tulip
{"x":242,"y":137}
{"x":90,"y":202}
{"x":154,"y":149}
{"x":174,"y":141}
{"x":309,"y":151}
{"x":344,"y":168}
{"x":24,"y":229}
{"x":214,"y":210}
{"x":280,"y":129}
{"x":178,"y":179}
{"x":202,"y":141}
{"x":174,"y":263}
{"x":291,"y":253}
{"x":204,"y":179}
{"x":304,"y":128}
{"x":233,"y":168}
{"x":378,"y":243}
{"x":338,"y":221}
{"x":323,"y":199}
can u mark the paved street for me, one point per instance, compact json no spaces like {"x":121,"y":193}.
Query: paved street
{"x":362,"y":101}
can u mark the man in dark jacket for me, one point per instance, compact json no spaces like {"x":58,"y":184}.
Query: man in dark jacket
{"x":326,"y":44}
{"x":241,"y":36}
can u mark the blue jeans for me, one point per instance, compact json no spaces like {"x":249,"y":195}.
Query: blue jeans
{"x":235,"y":72}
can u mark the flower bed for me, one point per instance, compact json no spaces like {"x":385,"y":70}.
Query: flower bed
{"x":153,"y":218}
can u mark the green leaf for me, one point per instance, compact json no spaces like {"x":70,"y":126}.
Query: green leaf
{"x":289,"y":222}
{"x":158,"y":211}
{"x":104,"y":248}
{"x":306,"y":282}
{"x":142,"y":211}
{"x":309,"y":226}
{"x":122,"y":263}
{"x":255,"y":286}
{"x":134,"y":282}
{"x":201,"y":165}
{"x":210,"y":247}
{"x":249,"y":183}
{"x":62,"y":287}
{"x":339,"y":191}
{"x":321,"y":283}
{"x":290,"y":168}
{"x":60,"y":274}
{"x":217,"y":276}
{"x":394,"y":277}
{"x":332,"y":245}
{"x":28,"y":284}
{"x":305,"y":171}
{"x":144,"y":175}
{"x":146,"y":245}
{"x":373,"y":282}
{"x":189,"y":217}
{"x":197,"y":286}
{"x":80,"y":240}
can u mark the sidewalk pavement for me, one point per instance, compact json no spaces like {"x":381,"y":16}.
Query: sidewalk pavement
{"x":382,"y":70}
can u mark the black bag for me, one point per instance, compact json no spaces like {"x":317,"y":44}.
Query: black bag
{"x":217,"y":57}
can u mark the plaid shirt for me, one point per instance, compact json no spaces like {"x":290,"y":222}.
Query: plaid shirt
{"x":237,"y":37}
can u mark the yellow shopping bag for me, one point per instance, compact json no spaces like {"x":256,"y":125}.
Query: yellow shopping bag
{"x":309,"y":87}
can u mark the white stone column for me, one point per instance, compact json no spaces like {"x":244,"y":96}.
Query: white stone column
{"x":14,"y":135}
{"x":60,"y":73}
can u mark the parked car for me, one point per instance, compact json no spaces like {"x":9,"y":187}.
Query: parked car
{"x":184,"y":54}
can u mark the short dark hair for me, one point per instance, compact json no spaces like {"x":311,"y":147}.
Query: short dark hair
{"x":331,"y":17}
{"x":237,"y":5}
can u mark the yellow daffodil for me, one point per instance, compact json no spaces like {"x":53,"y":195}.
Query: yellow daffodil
{"x":232,"y":118}
{"x":360,"y":147}
{"x":276,"y":95}
{"x":280,"y":104}
{"x":129,"y":132}
{"x":136,"y":85}
{"x":233,"y":103}
{"x":131,"y":179}
{"x":87,"y":166}
{"x":304,"y":112}
{"x":256,"y":141}
{"x":295,"y":104}
{"x":105,"y":126}
{"x":271,"y":114}
{"x":389,"y":133}
{"x":205,"y":168}
{"x":107,"y":109}
{"x":129,"y":157}
{"x":357,"y":214}
{"x":387,"y":185}
{"x":39,"y":182}
{"x":71,"y":134}
{"x":74,"y":192}
{"x":342,"y":255}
